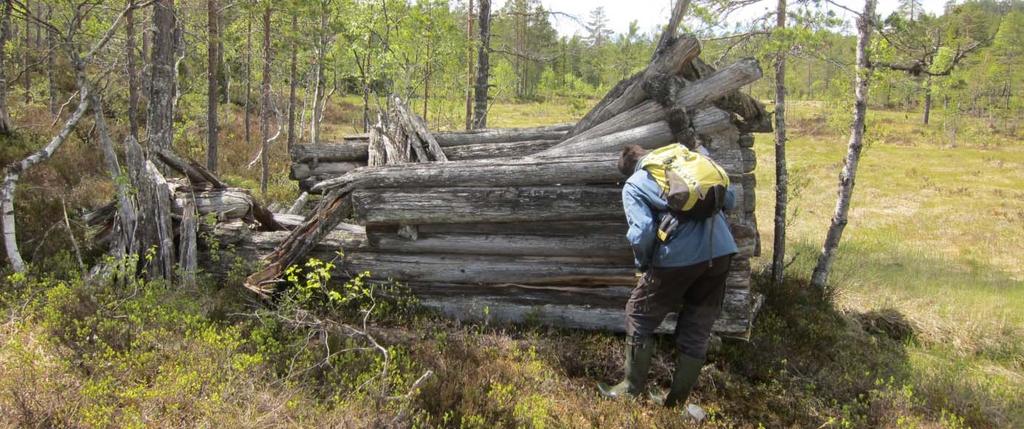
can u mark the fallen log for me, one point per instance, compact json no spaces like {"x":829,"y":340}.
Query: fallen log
{"x":349,"y":150}
{"x":466,"y":205}
{"x":303,"y":171}
{"x":238,"y":243}
{"x":333,"y":208}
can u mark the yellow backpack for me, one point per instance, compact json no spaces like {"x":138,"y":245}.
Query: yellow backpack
{"x":693,"y":184}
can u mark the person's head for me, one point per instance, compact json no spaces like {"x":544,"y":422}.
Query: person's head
{"x":631,"y":155}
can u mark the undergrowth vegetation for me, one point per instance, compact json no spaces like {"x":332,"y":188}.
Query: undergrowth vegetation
{"x":114,"y":351}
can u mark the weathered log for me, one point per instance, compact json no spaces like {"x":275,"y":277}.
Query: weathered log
{"x":630,"y":92}
{"x":224,"y":204}
{"x":576,"y":308}
{"x":188,"y":242}
{"x":299,"y":204}
{"x":289,"y":221}
{"x":705,"y":121}
{"x":502,"y":135}
{"x":399,"y":145}
{"x":614,"y":248}
{"x":478,"y":269}
{"x":349,"y":150}
{"x":466,"y":205}
{"x":326,"y":153}
{"x":488,"y":135}
{"x":376,"y":152}
{"x":753,"y":116}
{"x":553,"y":229}
{"x":197,"y":175}
{"x":526,"y":171}
{"x":684,"y":98}
{"x":414,"y":126}
{"x":332,"y":209}
{"x":498,"y":150}
{"x":157,"y":204}
{"x":303,"y":171}
{"x":610,"y":245}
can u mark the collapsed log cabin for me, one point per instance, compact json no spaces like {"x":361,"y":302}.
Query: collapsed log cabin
{"x":521,"y":224}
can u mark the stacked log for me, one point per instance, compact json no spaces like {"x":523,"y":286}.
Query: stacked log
{"x":314,"y":163}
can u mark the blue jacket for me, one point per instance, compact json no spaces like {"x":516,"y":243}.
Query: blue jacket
{"x":689,"y":245}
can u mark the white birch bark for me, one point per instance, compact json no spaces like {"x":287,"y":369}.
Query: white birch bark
{"x":849,"y":174}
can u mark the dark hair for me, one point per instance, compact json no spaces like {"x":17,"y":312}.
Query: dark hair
{"x":631,"y":155}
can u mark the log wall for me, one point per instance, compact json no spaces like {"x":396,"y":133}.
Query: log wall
{"x":508,"y":239}
{"x":525,"y":224}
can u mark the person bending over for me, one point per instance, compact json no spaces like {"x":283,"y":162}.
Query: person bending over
{"x":683,"y":271}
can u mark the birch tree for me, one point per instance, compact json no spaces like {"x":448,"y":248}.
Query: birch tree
{"x":847,"y":178}
{"x":265,"y":107}
{"x":781,"y":172}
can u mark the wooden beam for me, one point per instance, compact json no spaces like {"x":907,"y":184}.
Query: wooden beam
{"x":468,"y":205}
{"x":525,"y":171}
{"x":304,"y":171}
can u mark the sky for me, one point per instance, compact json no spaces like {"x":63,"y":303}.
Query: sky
{"x":650,"y":14}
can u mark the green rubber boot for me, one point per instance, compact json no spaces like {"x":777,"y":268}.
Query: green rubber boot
{"x":638,"y":362}
{"x":683,"y":379}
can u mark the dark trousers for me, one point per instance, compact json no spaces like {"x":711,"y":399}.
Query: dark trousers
{"x":695,"y":292}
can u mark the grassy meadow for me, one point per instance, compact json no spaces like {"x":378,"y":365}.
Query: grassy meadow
{"x":923,"y":326}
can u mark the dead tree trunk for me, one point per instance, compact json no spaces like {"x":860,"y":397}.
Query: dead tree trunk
{"x":847,"y":178}
{"x":781,"y":172}
{"x":160,"y":126}
{"x":248,"y":78}
{"x":124,"y":227}
{"x":292,"y":81}
{"x":469,"y":66}
{"x":51,"y":66}
{"x":483,"y":68}
{"x":188,"y":252}
{"x":265,"y":108}
{"x":928,"y":99}
{"x":133,"y":77}
{"x":678,"y":11}
{"x":26,"y":55}
{"x":6,"y":126}
{"x":212,"y":55}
